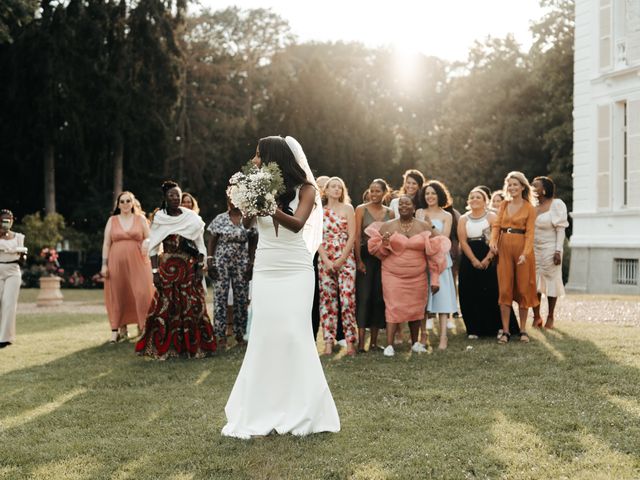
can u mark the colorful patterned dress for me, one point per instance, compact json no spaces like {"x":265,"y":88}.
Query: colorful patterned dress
{"x":231,"y":258}
{"x":178,"y":324}
{"x":340,"y":286}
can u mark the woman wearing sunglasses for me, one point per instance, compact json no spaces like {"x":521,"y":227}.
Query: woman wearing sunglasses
{"x":128,"y":283}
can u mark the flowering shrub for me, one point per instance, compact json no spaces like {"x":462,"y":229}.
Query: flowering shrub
{"x":50,"y":258}
{"x":255,"y":190}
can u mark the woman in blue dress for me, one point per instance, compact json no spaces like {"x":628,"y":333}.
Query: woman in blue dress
{"x":434,"y":198}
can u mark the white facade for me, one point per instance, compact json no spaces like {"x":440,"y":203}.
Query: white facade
{"x":605,"y":245}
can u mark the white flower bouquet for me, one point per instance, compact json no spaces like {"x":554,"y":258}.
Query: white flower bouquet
{"x":255,"y":190}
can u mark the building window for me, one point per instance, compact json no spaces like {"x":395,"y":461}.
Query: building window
{"x":632,"y":31}
{"x":604,"y":35}
{"x":625,"y":271}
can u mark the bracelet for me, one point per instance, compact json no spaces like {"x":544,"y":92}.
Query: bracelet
{"x":154,"y":270}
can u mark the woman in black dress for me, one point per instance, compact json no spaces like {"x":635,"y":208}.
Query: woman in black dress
{"x":478,"y":280}
{"x":369,"y":301}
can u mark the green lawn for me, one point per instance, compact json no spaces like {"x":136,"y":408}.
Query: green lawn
{"x":565,"y":406}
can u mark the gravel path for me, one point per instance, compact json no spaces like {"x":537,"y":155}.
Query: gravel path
{"x":598,"y":309}
{"x":66,"y":307}
{"x":617,"y":310}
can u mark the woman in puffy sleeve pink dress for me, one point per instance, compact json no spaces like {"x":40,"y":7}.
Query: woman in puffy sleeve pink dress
{"x":407,"y":247}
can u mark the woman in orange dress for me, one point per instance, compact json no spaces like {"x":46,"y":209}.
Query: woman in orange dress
{"x":512,"y":241}
{"x":128,"y":284}
{"x":404,"y":246}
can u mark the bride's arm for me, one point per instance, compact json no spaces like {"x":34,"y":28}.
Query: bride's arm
{"x":248,"y":222}
{"x":296,"y":222}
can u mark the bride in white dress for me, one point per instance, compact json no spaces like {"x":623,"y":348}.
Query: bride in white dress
{"x":281,"y":385}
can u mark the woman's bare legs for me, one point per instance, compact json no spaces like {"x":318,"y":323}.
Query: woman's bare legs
{"x":391,"y":332}
{"x":444,"y":318}
{"x":537,"y":319}
{"x":414,"y":328}
{"x":552,"y":306}
{"x":373,"y":341}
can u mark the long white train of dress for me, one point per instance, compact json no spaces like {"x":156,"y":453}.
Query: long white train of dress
{"x":281,"y":385}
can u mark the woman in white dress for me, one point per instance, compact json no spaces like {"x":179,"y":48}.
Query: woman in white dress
{"x":551,"y":222}
{"x":281,"y":385}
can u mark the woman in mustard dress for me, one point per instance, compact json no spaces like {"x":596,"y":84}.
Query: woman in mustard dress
{"x":512,"y":241}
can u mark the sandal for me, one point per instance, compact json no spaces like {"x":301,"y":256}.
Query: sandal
{"x":504,"y":338}
{"x":524,"y":337}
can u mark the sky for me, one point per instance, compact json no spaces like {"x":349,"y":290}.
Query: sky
{"x":446,"y":29}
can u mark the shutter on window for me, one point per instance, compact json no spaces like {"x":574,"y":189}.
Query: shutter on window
{"x":633,"y":154}
{"x":604,"y":157}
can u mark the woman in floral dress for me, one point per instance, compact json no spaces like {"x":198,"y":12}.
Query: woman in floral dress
{"x":337,"y":268}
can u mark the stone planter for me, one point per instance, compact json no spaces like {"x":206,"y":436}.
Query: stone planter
{"x":50,"y":294}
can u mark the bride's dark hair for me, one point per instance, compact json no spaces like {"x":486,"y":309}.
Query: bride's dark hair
{"x":275,"y":149}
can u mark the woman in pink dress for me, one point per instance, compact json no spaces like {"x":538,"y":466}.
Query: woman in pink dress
{"x":407,"y":247}
{"x":128,"y":284}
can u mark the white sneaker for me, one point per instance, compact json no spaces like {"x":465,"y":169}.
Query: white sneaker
{"x":342,"y":343}
{"x":472,"y":337}
{"x":429,"y":323}
{"x":418,"y":348}
{"x":450,"y":325}
{"x":389,"y":351}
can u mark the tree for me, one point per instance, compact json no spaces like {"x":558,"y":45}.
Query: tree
{"x":224,"y":85}
{"x":14,"y":15}
{"x":552,"y":60}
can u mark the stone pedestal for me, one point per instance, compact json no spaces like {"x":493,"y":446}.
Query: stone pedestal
{"x":50,"y":294}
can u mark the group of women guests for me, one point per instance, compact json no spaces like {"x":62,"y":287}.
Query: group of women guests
{"x":393,"y":259}
{"x":399,"y":260}
{"x":387,"y":262}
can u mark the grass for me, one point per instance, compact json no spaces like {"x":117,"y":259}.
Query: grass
{"x":565,"y":406}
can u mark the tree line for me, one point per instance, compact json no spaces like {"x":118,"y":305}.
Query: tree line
{"x":104,"y":95}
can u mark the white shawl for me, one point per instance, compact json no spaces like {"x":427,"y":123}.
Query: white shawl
{"x":188,"y":225}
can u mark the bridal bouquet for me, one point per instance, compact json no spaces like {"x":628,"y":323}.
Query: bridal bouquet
{"x":254,"y":190}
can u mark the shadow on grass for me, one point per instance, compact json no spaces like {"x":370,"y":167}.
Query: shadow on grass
{"x":488,"y":412}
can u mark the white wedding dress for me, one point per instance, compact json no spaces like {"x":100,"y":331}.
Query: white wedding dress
{"x":281,"y":386}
